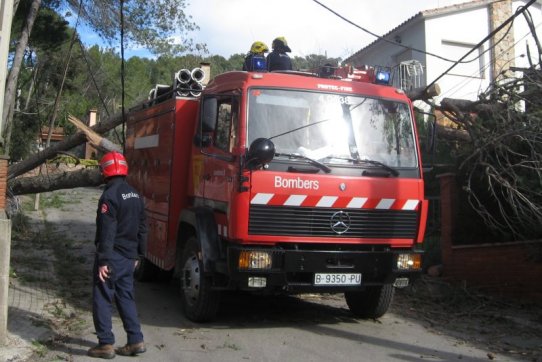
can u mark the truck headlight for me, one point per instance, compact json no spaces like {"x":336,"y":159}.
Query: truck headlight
{"x":409,"y":261}
{"x":254,"y":260}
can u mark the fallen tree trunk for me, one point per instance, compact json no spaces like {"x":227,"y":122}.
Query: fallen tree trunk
{"x":466,"y":106}
{"x":97,"y":141}
{"x":423,"y":93}
{"x":452,"y":134}
{"x":88,"y":177}
{"x":34,"y":161}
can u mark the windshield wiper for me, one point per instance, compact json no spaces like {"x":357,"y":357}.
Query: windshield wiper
{"x":390,"y":169}
{"x":296,"y":156}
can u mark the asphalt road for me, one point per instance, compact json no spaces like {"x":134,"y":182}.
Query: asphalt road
{"x":283,"y":328}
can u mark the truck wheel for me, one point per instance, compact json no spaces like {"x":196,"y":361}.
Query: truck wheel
{"x":373,"y":302}
{"x":145,"y":271}
{"x":200,"y":303}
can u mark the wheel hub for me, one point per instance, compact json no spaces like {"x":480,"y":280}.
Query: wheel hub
{"x":191,"y":279}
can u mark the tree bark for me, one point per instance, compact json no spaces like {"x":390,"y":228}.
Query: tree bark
{"x":11,"y":83}
{"x":465,"y":106}
{"x":88,"y":177}
{"x":452,"y":134}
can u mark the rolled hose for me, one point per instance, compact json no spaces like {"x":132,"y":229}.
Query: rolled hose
{"x":183,"y":76}
{"x":197,"y":74}
{"x":195,"y":89}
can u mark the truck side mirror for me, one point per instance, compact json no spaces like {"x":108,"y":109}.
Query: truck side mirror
{"x":260,"y":152}
{"x":206,"y":126}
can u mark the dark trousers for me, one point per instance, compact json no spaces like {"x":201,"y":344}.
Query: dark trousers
{"x":119,"y":288}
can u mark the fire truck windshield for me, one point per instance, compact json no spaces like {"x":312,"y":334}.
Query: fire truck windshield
{"x":333,"y":128}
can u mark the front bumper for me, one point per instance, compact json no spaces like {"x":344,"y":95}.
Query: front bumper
{"x":294,"y":270}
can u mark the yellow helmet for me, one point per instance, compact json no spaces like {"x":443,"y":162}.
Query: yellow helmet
{"x":259,"y":47}
{"x":281,"y":43}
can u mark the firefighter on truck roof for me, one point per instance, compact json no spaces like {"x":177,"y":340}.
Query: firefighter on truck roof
{"x":255,"y":59}
{"x":278,"y":59}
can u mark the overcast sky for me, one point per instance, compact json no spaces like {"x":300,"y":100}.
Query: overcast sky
{"x":230,"y":26}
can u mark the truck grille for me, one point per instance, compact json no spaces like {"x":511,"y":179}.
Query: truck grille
{"x":305,"y":221}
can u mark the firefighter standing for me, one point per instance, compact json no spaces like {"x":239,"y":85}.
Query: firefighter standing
{"x":278,"y":59}
{"x":120,"y":240}
{"x":255,"y":59}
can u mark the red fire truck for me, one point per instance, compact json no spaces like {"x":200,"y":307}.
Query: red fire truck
{"x":281,"y":182}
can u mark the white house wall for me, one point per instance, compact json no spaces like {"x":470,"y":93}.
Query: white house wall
{"x":452,"y":36}
{"x":414,"y":38}
{"x":386,"y":54}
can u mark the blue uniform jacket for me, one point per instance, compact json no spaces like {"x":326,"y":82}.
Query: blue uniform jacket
{"x":120,"y":222}
{"x":278,"y":61}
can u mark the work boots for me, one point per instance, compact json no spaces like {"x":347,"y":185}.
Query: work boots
{"x":105,"y":351}
{"x":131,"y":349}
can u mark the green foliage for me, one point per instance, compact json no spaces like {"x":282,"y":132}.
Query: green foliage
{"x":93,"y":78}
{"x":39,"y":79}
{"x":39,"y":348}
{"x":236,"y":61}
{"x":68,"y":160}
{"x":49,"y":30}
{"x":500,"y":168}
{"x":220,"y":65}
{"x":52,"y":201}
{"x":313,"y":62}
{"x":160,"y":25}
{"x":23,"y":137}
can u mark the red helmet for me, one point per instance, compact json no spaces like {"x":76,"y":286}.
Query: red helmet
{"x":113,"y":164}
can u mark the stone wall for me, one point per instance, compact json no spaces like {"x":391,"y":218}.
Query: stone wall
{"x":503,"y":50}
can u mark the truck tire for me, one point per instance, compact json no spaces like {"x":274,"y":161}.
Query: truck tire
{"x":199,"y":302}
{"x":145,"y":271}
{"x":373,"y":302}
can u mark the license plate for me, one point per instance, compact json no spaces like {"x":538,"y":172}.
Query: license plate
{"x":337,"y":279}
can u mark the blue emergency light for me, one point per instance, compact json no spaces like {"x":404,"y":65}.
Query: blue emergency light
{"x":259,"y":63}
{"x":382,"y":77}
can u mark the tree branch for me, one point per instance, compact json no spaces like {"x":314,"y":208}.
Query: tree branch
{"x":69,"y":143}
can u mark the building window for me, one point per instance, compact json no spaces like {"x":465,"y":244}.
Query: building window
{"x":456,"y":50}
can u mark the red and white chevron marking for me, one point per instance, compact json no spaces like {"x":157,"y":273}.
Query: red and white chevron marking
{"x":334,"y":201}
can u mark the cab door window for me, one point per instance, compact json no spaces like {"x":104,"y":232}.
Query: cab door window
{"x":223,"y":126}
{"x":219,"y":122}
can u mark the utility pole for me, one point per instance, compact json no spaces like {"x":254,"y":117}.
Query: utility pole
{"x":6,"y":15}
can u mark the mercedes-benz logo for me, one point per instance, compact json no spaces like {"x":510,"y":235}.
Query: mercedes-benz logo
{"x":340,"y":222}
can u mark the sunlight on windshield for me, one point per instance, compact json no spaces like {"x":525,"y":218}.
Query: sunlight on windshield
{"x":333,"y":128}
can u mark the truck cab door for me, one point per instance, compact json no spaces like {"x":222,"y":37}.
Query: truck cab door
{"x":220,"y":114}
